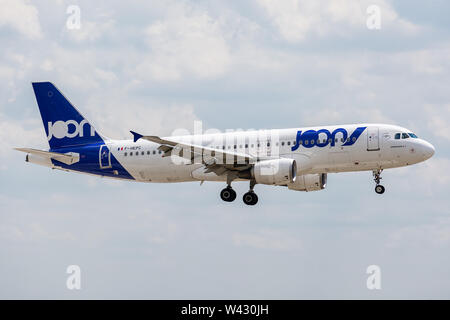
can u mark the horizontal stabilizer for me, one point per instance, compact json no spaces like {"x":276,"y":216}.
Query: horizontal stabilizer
{"x":67,"y":158}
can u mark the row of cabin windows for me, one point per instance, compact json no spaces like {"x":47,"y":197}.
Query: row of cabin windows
{"x":306,"y":142}
{"x":141,"y":152}
{"x":403,"y":135}
{"x":252,"y":145}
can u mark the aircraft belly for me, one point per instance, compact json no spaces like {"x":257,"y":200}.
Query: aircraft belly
{"x":161,"y":172}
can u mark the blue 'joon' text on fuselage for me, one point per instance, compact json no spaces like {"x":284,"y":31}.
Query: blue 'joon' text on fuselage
{"x":311,"y":138}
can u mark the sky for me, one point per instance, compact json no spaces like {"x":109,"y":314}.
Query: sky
{"x":157,"y":67}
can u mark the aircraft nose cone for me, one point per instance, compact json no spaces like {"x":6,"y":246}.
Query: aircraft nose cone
{"x":427,"y":150}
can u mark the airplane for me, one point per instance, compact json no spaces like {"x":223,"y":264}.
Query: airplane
{"x":298,"y":158}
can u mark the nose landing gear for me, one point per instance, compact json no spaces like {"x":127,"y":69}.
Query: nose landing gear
{"x":377,"y":177}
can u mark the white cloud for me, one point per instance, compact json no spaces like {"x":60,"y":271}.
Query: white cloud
{"x":22,"y":133}
{"x":186,"y":42}
{"x":20,"y":16}
{"x":298,"y":19}
{"x":115,"y":117}
{"x":438,"y":120}
{"x":90,"y":31}
{"x":78,"y":69}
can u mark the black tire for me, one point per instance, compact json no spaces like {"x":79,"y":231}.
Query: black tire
{"x":250,"y":198}
{"x":228,"y":194}
{"x":379,"y":189}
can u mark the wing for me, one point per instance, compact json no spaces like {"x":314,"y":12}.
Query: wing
{"x":216,"y":160}
{"x":67,"y":158}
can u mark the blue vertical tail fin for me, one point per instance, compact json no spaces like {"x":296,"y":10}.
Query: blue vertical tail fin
{"x":63,"y":124}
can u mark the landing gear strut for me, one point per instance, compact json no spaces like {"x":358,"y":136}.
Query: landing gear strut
{"x":228,"y":194}
{"x":377,"y":177}
{"x":250,"y":198}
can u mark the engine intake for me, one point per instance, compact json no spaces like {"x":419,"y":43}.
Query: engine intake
{"x":278,"y":171}
{"x":309,"y":182}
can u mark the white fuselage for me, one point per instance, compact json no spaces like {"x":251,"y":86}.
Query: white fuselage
{"x":376,"y":148}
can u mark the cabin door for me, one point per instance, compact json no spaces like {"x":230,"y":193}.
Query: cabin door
{"x":373,"y":139}
{"x":104,"y":157}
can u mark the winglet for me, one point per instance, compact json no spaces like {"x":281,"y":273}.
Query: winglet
{"x":136,"y":136}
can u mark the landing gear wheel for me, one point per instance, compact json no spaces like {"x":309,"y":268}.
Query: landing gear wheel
{"x":250,"y":198}
{"x":228,"y":194}
{"x":379,"y":189}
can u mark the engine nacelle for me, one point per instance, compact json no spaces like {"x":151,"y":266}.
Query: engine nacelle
{"x":278,"y":171}
{"x":309,"y":182}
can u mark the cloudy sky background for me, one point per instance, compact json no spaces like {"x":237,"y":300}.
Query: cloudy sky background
{"x":157,"y":66}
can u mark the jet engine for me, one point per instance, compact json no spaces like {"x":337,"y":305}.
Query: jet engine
{"x":309,"y":182}
{"x":277,"y":171}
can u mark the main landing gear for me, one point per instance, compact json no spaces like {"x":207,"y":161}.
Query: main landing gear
{"x":228,"y":194}
{"x":250,"y":198}
{"x":377,"y":177}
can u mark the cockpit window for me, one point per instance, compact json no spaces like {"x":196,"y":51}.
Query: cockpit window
{"x":405,"y":136}
{"x":397,"y":136}
{"x":412,"y":135}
